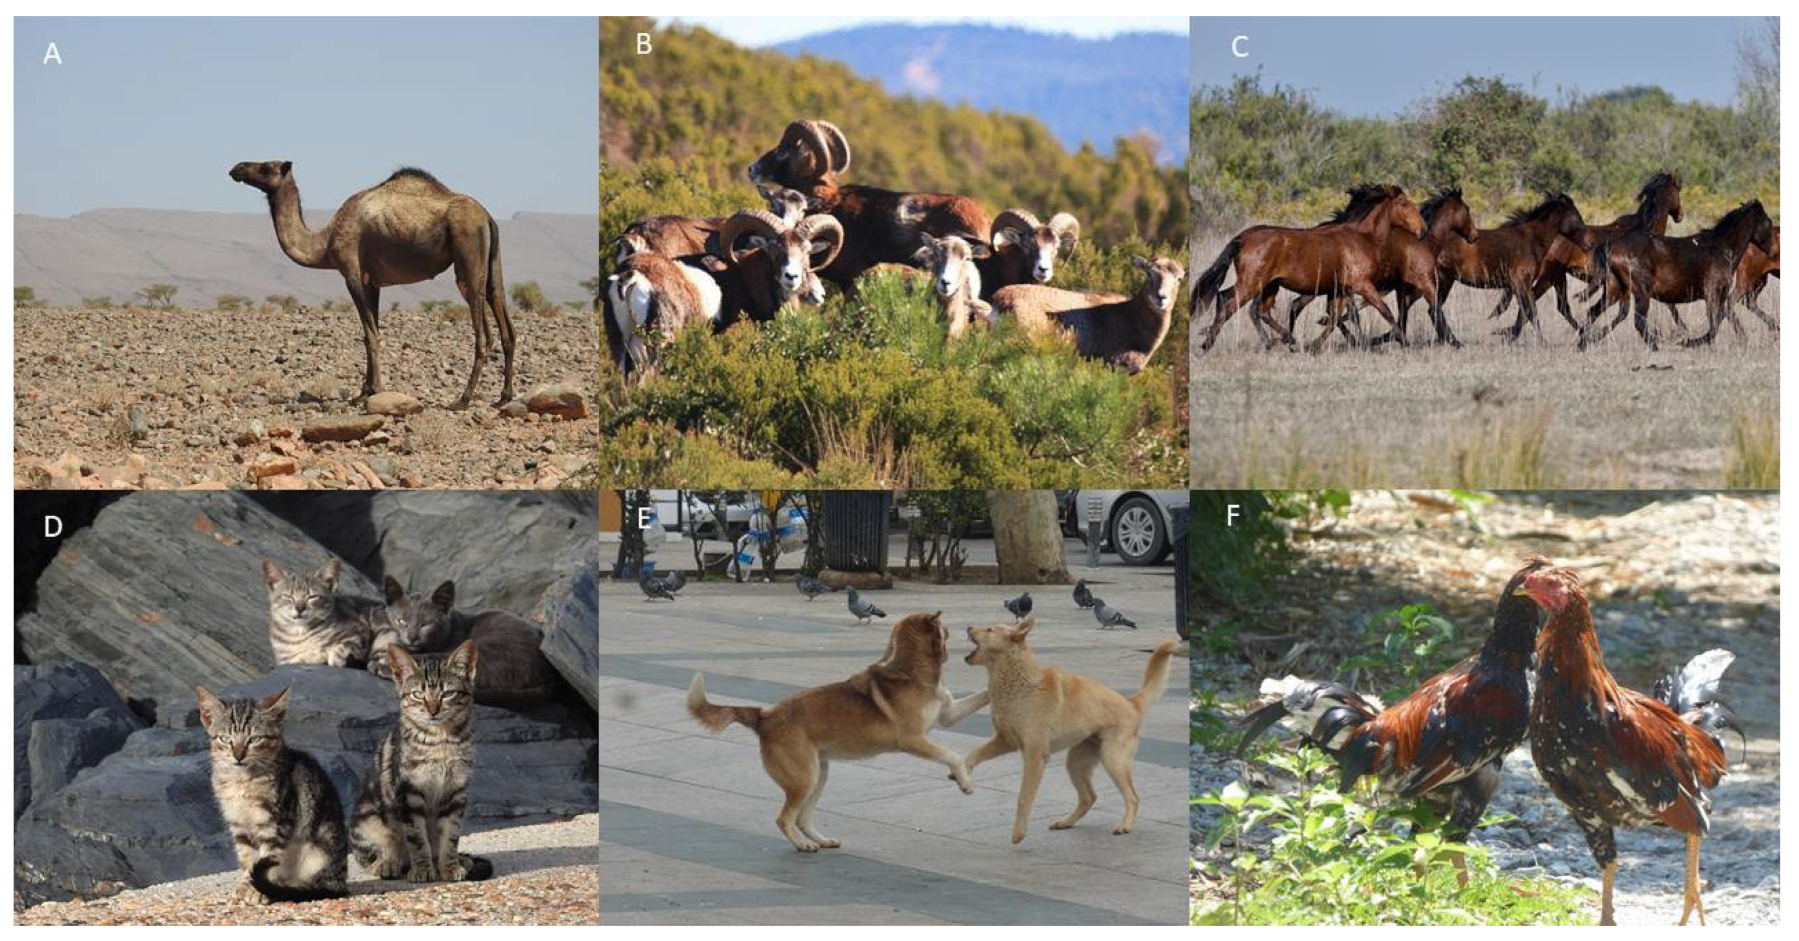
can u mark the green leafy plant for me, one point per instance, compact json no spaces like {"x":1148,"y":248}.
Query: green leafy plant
{"x":1417,"y":644}
{"x":1319,"y":857}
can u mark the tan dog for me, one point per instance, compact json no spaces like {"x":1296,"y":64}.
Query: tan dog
{"x":1041,"y":710}
{"x":887,"y":707}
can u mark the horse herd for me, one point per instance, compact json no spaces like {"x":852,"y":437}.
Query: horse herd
{"x":1381,"y":242}
{"x":673,"y":272}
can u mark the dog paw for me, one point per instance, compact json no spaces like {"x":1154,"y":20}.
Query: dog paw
{"x":825,"y":842}
{"x":806,"y":846}
{"x":1017,"y":836}
{"x":1120,"y":830}
{"x":1061,"y":824}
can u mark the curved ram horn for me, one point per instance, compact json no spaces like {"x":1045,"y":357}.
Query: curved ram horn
{"x":1067,"y":230}
{"x":838,"y":146}
{"x":1020,"y":223}
{"x":747,"y":222}
{"x":812,"y":228}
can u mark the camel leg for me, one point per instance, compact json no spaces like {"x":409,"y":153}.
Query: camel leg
{"x":502,"y":321}
{"x":371,"y":333}
{"x":471,"y":279}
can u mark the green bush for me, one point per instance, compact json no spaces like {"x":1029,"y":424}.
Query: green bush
{"x":529,"y":297}
{"x":159,"y":295}
{"x":871,"y":392}
{"x":25,"y":296}
{"x":1271,"y":154}
{"x":231,"y":302}
{"x":1331,"y":859}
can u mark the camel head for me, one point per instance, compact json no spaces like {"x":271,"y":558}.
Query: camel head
{"x":265,"y":175}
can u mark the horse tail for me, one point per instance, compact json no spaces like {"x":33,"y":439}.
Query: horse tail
{"x":1213,"y":278}
{"x":1601,"y":262}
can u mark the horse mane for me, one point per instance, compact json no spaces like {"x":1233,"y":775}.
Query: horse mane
{"x":1363,"y":199}
{"x":414,"y":173}
{"x":1738,"y":216}
{"x":1656,"y":184}
{"x":1437,"y":202}
{"x":1550,"y":203}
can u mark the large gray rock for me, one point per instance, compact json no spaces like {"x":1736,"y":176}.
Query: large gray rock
{"x":65,"y":717}
{"x":502,"y":549}
{"x":164,"y":591}
{"x":569,"y":615}
{"x":146,"y":815}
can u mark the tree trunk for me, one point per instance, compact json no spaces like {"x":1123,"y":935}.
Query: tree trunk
{"x":1027,"y":537}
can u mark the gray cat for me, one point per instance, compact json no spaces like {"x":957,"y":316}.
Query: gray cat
{"x":285,"y":819}
{"x":309,"y":622}
{"x":409,"y":816}
{"x":514,"y":671}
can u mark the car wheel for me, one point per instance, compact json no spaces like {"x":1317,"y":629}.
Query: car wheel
{"x":1139,"y":535}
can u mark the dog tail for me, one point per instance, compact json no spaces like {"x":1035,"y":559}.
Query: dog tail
{"x":1155,"y":677}
{"x":717,"y":718}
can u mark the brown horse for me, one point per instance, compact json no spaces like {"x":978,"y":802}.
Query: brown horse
{"x":1409,"y":265}
{"x":1657,"y":202}
{"x":1643,"y":266}
{"x":1510,"y":256}
{"x":1753,"y":273}
{"x":1339,"y":260}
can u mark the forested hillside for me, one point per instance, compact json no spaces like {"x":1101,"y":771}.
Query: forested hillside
{"x":678,"y":127}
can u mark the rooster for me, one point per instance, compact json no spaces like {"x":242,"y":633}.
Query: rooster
{"x":1614,"y":756}
{"x":1449,"y":735}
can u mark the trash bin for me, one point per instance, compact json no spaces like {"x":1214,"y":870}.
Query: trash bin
{"x":1183,"y":554}
{"x":855,"y":529}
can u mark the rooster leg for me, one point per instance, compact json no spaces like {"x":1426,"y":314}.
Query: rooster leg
{"x":1605,"y":898}
{"x":1461,"y":869}
{"x":1692,"y":901}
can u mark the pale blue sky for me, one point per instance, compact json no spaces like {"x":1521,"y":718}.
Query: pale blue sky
{"x":1376,"y":66}
{"x":768,"y":30}
{"x":151,"y":113}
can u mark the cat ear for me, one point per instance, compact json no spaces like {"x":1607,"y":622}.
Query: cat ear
{"x":329,"y":573}
{"x":463,"y":658}
{"x":210,"y":707}
{"x":276,"y":704}
{"x":272,"y":573}
{"x":400,"y":662}
{"x":445,"y":596}
{"x":394,"y":590}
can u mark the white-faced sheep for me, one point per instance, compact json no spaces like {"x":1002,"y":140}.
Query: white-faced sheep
{"x":1125,"y":332}
{"x":879,"y":225}
{"x":955,"y":279}
{"x":1025,"y":250}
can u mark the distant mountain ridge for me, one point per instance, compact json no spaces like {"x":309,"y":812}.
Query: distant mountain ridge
{"x":117,"y":252}
{"x":1085,"y":90}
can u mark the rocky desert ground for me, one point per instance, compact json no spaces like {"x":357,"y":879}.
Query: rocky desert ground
{"x":152,"y":398}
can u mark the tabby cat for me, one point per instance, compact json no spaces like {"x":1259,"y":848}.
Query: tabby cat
{"x":285,"y":819}
{"x":309,"y":622}
{"x":514,"y":671}
{"x":409,"y":815}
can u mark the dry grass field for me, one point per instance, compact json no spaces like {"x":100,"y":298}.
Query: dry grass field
{"x":1494,"y":414}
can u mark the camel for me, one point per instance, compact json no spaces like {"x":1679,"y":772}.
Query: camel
{"x":406,"y":229}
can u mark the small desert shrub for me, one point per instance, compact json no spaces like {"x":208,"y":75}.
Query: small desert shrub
{"x":431,"y":431}
{"x":232,"y":302}
{"x":25,"y":296}
{"x":528,"y":296}
{"x":97,"y":303}
{"x":1754,"y":461}
{"x":286,"y":303}
{"x":159,"y":295}
{"x":107,"y":395}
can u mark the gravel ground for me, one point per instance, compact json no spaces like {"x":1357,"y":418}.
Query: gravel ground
{"x":545,"y":874}
{"x":135,"y":397}
{"x":1671,"y":575}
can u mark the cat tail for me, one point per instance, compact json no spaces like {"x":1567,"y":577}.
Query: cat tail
{"x":476,"y":868}
{"x":259,"y":877}
{"x":715,"y":717}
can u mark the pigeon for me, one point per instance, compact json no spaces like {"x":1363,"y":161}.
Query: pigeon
{"x":654,"y":588}
{"x":1082,"y":597}
{"x":1110,"y":618}
{"x":862,"y":609}
{"x":1020,"y":606}
{"x":674,"y":582}
{"x":810,"y":587}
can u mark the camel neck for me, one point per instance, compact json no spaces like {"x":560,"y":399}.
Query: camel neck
{"x":304,"y":246}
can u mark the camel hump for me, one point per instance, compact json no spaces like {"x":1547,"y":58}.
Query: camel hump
{"x":418,"y":177}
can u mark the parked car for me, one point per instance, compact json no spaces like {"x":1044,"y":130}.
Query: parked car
{"x":680,"y":510}
{"x":1138,"y":525}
